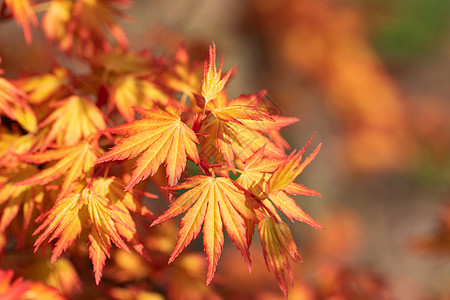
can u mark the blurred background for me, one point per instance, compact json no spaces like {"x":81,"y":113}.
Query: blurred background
{"x":372,"y":80}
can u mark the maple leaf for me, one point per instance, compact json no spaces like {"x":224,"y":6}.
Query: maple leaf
{"x":23,"y":12}
{"x":160,"y":136}
{"x":278,"y":245}
{"x":13,"y":104}
{"x":101,"y":204}
{"x":41,"y":88}
{"x":269,"y":126}
{"x":236,"y":113}
{"x":75,"y":119}
{"x":25,"y":289}
{"x":12,"y":146}
{"x":271,"y":179}
{"x":65,"y":220}
{"x":183,"y":76}
{"x":290,"y":169}
{"x":14,"y":198}
{"x":213,"y":84}
{"x":238,"y":130}
{"x":9,"y":94}
{"x":130,"y":90}
{"x":83,"y":25}
{"x":216,"y":202}
{"x":255,"y":171}
{"x":56,"y":20}
{"x":122,"y":62}
{"x":74,"y":163}
{"x":61,"y":274}
{"x":235,"y":141}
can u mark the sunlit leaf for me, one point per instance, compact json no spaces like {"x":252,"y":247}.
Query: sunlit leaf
{"x":74,"y":163}
{"x":161,"y":136}
{"x":278,"y":246}
{"x":102,"y":206}
{"x":216,"y":202}
{"x":212,"y":83}
{"x":75,"y":119}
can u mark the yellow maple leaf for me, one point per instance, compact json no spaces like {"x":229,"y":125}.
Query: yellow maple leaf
{"x":83,"y":26}
{"x":74,"y":163}
{"x":132,"y":90}
{"x":14,"y":105}
{"x":56,"y":20}
{"x":74,"y":120}
{"x":183,"y":77}
{"x":213,"y":84}
{"x":15,"y":198}
{"x":43,"y":87}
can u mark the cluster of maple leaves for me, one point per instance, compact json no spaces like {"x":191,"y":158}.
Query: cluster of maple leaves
{"x":69,"y":173}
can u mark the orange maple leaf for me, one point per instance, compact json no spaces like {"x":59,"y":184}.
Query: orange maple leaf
{"x":213,"y":84}
{"x":25,"y":289}
{"x":74,"y":163}
{"x":290,"y":169}
{"x":12,"y":146}
{"x":55,"y":22}
{"x":14,"y":105}
{"x":278,"y":245}
{"x":119,"y":61}
{"x":233,"y":140}
{"x":160,"y":136}
{"x":74,"y":120}
{"x":255,"y":171}
{"x":83,"y":25}
{"x":14,"y":198}
{"x":132,"y":90}
{"x":237,"y":129}
{"x":41,"y":88}
{"x":9,"y":94}
{"x":214,"y":201}
{"x":183,"y":77}
{"x":271,"y":179}
{"x":103,"y":203}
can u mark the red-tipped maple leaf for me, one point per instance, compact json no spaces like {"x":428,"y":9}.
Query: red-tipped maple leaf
{"x":9,"y":94}
{"x":13,"y":104}
{"x":13,"y":198}
{"x":237,"y":131}
{"x":132,"y":90}
{"x":278,"y":245}
{"x":236,"y":141}
{"x":55,"y":23}
{"x":212,"y":84}
{"x":184,"y":77}
{"x":272,"y":180}
{"x":75,"y":119}
{"x":161,"y":136}
{"x":25,"y":289}
{"x":74,"y":163}
{"x":290,"y":169}
{"x":214,"y":201}
{"x":84,"y":25}
{"x":107,"y":207}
